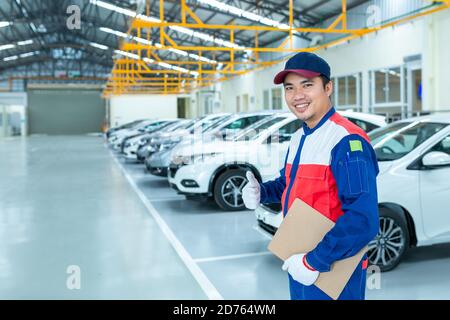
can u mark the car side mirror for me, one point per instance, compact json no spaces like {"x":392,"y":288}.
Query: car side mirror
{"x":436,"y":159}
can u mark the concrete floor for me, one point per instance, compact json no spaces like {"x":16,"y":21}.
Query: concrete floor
{"x":69,"y":201}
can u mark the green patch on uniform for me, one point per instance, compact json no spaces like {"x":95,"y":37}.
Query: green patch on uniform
{"x":355,"y":145}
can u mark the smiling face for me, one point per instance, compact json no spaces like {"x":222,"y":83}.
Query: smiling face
{"x":307,"y":98}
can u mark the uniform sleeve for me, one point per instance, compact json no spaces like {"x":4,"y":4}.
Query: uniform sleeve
{"x":354,"y":167}
{"x":272,"y":191}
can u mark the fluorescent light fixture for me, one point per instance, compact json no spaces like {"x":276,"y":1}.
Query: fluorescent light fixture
{"x":206,"y":37}
{"x":180,"y":52}
{"x":33,"y":27}
{"x":10,"y":58}
{"x":24,"y":43}
{"x":128,"y":54}
{"x":158,"y":45}
{"x":133,"y":14}
{"x":112,"y":7}
{"x":148,"y":60}
{"x":29,"y":54}
{"x":6,"y":47}
{"x":243,"y":13}
{"x":4,"y":24}
{"x":170,"y":67}
{"x":115,"y":32}
{"x":144,"y":41}
{"x":99,"y":46}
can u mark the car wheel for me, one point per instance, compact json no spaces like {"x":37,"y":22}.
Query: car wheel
{"x":228,"y":190}
{"x":391,"y":242}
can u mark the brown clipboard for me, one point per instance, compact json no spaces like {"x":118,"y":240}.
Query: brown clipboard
{"x":300,"y":232}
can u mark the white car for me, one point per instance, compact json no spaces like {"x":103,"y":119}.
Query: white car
{"x":132,"y":144}
{"x":117,"y":138}
{"x":413,"y":188}
{"x":217,"y":169}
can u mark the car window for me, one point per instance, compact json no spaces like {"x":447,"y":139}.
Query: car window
{"x":285,"y":132}
{"x":443,"y":145}
{"x":215,"y":123}
{"x":243,"y":123}
{"x":254,"y":133}
{"x":397,"y":140}
{"x":366,"y":126}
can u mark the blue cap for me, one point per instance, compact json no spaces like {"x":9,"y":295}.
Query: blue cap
{"x":305,"y":64}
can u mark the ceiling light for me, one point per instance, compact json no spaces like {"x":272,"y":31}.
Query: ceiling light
{"x":4,"y":24}
{"x":24,"y":43}
{"x":127,"y":54}
{"x":133,"y":14}
{"x":6,"y":46}
{"x":10,"y":58}
{"x":243,"y":13}
{"x":99,"y":46}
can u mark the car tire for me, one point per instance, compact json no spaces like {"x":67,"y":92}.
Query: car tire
{"x":391,"y":242}
{"x":228,"y":190}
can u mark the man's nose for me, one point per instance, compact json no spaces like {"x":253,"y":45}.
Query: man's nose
{"x":299,"y":94}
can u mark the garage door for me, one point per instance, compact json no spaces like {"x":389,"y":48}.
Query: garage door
{"x":65,"y":112}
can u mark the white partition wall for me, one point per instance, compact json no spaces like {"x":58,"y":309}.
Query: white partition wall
{"x":127,"y":108}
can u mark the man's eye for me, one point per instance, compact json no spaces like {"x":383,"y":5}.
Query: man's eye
{"x":307,"y":85}
{"x":288,"y":88}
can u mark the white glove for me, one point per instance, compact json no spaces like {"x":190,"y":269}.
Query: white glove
{"x":297,"y":268}
{"x":251,"y":193}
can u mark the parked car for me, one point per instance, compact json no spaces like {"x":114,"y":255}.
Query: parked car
{"x":158,"y":162}
{"x":413,"y":188}
{"x":169,"y":140}
{"x":144,"y":127}
{"x":144,"y":147}
{"x":127,"y":125}
{"x":130,"y":145}
{"x":218,"y":169}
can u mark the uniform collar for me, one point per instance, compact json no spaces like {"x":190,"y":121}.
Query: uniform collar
{"x":327,"y":116}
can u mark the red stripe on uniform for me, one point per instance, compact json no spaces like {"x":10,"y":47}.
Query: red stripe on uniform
{"x":349,"y":126}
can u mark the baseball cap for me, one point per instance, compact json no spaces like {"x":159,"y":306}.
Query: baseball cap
{"x":305,"y":64}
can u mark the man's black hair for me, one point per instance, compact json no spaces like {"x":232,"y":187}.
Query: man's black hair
{"x":325,"y":80}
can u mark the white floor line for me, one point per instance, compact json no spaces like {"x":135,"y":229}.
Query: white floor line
{"x":206,"y":285}
{"x":263,"y":233}
{"x":167,"y":199}
{"x":234,"y":256}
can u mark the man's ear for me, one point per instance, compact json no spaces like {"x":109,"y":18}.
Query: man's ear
{"x":329,"y":88}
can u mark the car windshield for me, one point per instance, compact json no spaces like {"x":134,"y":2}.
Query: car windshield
{"x":399,"y":139}
{"x":217,"y":123}
{"x":255,"y":132}
{"x":205,"y":123}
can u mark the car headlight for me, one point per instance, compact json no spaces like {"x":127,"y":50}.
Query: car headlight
{"x":192,"y":159}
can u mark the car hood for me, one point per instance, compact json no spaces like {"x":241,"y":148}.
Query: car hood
{"x":218,"y":146}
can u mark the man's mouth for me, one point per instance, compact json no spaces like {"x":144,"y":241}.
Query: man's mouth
{"x":301,"y":107}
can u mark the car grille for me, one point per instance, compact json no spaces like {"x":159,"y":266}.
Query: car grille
{"x":173,"y":168}
{"x":267,"y":227}
{"x":272,"y":207}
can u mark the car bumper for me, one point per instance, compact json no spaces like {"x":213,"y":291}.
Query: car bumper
{"x":181,"y":176}
{"x":130,"y":152}
{"x":267,"y":219}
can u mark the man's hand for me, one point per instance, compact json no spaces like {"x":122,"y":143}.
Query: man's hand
{"x":251,"y":194}
{"x":299,"y":269}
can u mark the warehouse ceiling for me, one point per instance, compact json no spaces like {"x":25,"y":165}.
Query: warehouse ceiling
{"x":41,"y":38}
{"x":38,"y":33}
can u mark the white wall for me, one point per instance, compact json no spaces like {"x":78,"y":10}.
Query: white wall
{"x":127,"y":108}
{"x":436,"y":67}
{"x":386,"y":48}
